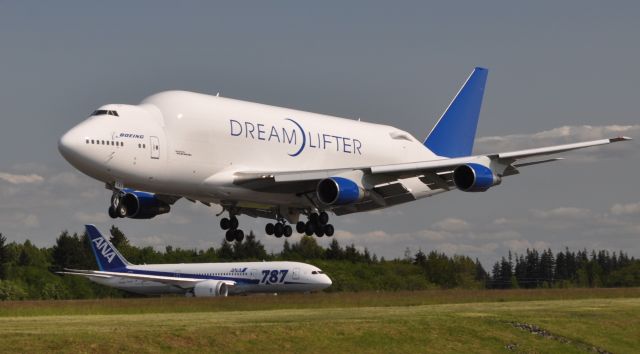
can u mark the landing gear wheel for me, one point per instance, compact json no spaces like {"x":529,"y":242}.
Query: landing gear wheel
{"x":319,"y":232}
{"x":323,"y":218}
{"x":112,"y":212}
{"x":115,"y":200}
{"x":269,"y":229}
{"x":328,"y":230}
{"x":122,"y":211}
{"x":288,"y":231}
{"x":239,"y":235}
{"x":313,"y":217}
{"x":309,"y":228}
{"x":234,"y":222}
{"x":300,"y":226}
{"x":225,"y":224}
{"x":230,"y":235}
{"x":278,"y":230}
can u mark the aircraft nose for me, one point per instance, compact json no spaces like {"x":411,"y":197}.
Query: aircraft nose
{"x":326,"y":281}
{"x":69,"y":144}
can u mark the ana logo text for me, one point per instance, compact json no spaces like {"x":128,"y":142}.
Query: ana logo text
{"x":103,"y":247}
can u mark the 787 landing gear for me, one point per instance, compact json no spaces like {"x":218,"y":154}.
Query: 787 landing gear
{"x":231,"y":225}
{"x":318,"y":224}
{"x":279,"y":229}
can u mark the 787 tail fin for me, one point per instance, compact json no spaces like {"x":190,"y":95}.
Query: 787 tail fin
{"x":454,"y":133}
{"x":107,"y":256}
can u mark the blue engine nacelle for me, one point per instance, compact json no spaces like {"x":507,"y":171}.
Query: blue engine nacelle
{"x":142,"y":205}
{"x":474,"y":177}
{"x":339,"y":191}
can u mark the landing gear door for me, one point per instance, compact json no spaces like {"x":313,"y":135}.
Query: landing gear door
{"x":155,"y":147}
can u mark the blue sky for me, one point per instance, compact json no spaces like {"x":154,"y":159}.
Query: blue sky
{"x":558,"y":72}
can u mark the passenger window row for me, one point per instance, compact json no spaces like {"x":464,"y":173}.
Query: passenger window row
{"x":104,"y":142}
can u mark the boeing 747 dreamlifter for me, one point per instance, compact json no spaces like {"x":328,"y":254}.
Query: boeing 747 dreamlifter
{"x":280,"y":163}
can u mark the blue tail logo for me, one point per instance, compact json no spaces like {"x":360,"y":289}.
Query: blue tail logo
{"x":107,"y":256}
{"x":455,"y":132}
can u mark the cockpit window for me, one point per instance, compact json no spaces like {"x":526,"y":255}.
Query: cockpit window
{"x":101,"y":112}
{"x":314,"y":272}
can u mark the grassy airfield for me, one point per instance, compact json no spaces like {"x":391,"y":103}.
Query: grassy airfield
{"x":574,"y":320}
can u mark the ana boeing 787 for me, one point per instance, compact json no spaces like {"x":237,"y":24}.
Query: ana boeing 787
{"x":197,"y":279}
{"x":282,"y":164}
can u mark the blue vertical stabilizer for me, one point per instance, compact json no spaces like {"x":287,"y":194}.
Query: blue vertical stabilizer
{"x":107,"y":256}
{"x":455,"y":132}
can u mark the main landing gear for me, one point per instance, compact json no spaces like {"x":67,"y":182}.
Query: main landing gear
{"x":279,"y":229}
{"x":231,"y":225}
{"x":318,"y":224}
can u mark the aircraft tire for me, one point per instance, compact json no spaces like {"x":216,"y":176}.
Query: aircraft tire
{"x":225,"y":224}
{"x":239,"y":235}
{"x":313,"y":217}
{"x":329,"y":230}
{"x":308,"y":229}
{"x":230,"y":236}
{"x":115,"y":200}
{"x":122,"y":211}
{"x":112,"y":213}
{"x":319,"y":232}
{"x":269,"y":229}
{"x":288,"y":231}
{"x":323,"y":218}
{"x":300,"y":226}
{"x":278,"y":230}
{"x":234,"y":222}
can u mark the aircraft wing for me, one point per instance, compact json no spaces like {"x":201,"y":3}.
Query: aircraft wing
{"x":184,"y":283}
{"x":305,"y":181}
{"x":507,"y":158}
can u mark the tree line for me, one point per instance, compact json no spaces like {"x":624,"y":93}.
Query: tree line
{"x":535,"y":269}
{"x":28,"y":271}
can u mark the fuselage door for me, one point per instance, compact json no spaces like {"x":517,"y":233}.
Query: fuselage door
{"x":296,"y":274}
{"x":155,"y":147}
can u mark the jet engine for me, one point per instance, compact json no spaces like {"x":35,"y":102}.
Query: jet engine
{"x":140,"y":205}
{"x":474,"y":177}
{"x":210,"y":288}
{"x":339,"y":191}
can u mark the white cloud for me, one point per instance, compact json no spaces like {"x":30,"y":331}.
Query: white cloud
{"x":21,"y":179}
{"x":452,"y":225}
{"x":467,"y":249}
{"x":563,"y":212}
{"x":522,"y":245}
{"x":91,"y":218}
{"x":18,"y":220}
{"x":625,"y":209}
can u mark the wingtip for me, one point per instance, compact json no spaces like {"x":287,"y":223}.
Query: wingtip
{"x":619,"y":138}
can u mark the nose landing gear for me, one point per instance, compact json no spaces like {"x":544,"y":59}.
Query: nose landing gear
{"x":231,"y":225}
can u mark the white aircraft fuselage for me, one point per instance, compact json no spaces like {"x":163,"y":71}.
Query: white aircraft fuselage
{"x":193,"y":144}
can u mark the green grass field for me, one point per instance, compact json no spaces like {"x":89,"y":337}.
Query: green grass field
{"x":573,"y":320}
